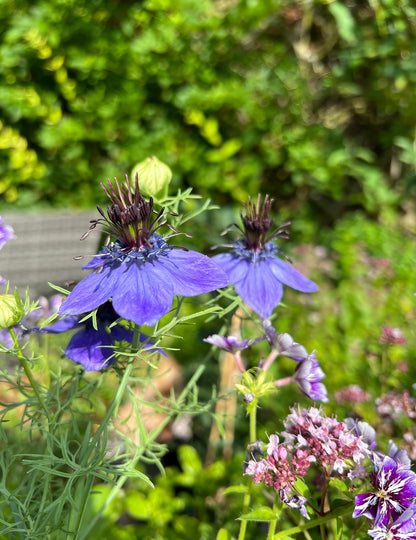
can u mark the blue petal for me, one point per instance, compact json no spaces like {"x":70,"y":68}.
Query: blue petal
{"x":64,"y":325}
{"x":119,"y":333}
{"x":285,"y":273}
{"x":191,"y":273}
{"x":91,"y":348}
{"x":260,"y":289}
{"x":235,"y":267}
{"x":91,"y":292}
{"x":141,"y":294}
{"x":97,"y":261}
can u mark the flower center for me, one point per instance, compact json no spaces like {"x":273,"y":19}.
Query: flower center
{"x":244,"y":251}
{"x":155,"y":246}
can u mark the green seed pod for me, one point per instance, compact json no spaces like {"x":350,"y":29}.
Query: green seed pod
{"x":11,"y":310}
{"x":154,"y":177}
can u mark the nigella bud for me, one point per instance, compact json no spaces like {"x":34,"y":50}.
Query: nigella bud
{"x":248,"y":397}
{"x":154,"y":177}
{"x":271,"y":334}
{"x":11,"y":310}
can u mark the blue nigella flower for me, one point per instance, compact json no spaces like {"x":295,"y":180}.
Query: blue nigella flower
{"x":138,"y":269}
{"x":254,"y":266}
{"x":93,"y":348}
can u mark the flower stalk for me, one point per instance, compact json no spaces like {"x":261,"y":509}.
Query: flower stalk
{"x":22,"y":359}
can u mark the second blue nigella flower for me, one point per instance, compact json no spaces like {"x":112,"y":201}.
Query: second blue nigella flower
{"x":94,"y":348}
{"x":139,"y":270}
{"x":254,"y":265}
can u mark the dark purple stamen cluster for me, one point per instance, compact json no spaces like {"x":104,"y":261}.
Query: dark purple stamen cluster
{"x":130,"y":219}
{"x":257,"y":224}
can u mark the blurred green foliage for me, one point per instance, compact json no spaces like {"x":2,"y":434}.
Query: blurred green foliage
{"x":189,"y":502}
{"x":310,"y":100}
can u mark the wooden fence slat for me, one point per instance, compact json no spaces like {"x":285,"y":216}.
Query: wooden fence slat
{"x":45,"y":248}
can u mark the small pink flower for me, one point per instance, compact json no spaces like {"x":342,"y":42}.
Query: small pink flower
{"x":352,"y":394}
{"x":391,"y":336}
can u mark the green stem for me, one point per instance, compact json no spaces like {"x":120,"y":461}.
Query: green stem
{"x":153,"y":435}
{"x":83,"y":488}
{"x":22,"y":359}
{"x":253,"y":424}
{"x":247,"y":496}
{"x":336,"y":512}
{"x":277,"y":508}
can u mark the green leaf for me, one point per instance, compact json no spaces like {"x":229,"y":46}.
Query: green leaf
{"x":262,"y":513}
{"x":339,"y":484}
{"x":189,"y":460}
{"x":344,"y":20}
{"x":223,"y":535}
{"x":340,"y":527}
{"x":236,"y":489}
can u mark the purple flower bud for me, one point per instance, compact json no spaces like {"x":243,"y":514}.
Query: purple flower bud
{"x":308,"y":376}
{"x":230,"y":343}
{"x":288,"y":347}
{"x":271,"y":334}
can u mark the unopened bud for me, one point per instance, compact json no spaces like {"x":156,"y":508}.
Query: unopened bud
{"x":154,"y":177}
{"x":248,"y":397}
{"x":11,"y":310}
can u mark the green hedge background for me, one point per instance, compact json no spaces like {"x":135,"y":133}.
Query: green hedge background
{"x":313,"y":101}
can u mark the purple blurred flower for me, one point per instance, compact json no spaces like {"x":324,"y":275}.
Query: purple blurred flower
{"x":363,"y":429}
{"x":254,"y":265}
{"x":403,"y":528}
{"x":6,"y":234}
{"x":139,"y":270}
{"x":230,"y":343}
{"x":295,"y":501}
{"x":93,"y":348}
{"x":308,"y":376}
{"x":400,"y":456}
{"x":45,"y":309}
{"x":394,"y":487}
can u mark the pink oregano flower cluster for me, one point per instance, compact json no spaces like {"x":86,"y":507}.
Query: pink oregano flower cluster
{"x":310,"y":438}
